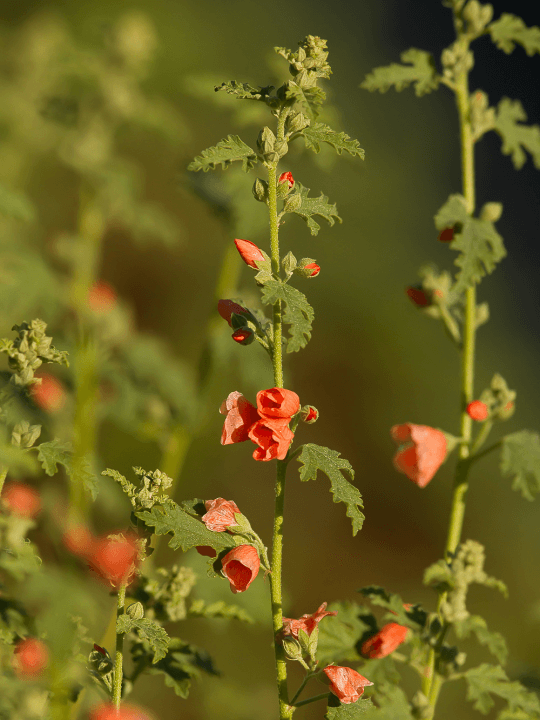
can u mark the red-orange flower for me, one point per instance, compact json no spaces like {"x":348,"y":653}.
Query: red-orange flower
{"x":241,"y":566}
{"x":30,"y":658}
{"x":101,"y":298}
{"x":108,"y":711}
{"x":115,"y":559}
{"x":286,"y":177}
{"x":385,"y":641}
{"x":220,"y":514}
{"x":422,"y":451}
{"x":307,"y":623}
{"x":241,"y":416}
{"x":49,"y":395}
{"x":273,"y":436}
{"x":315,"y":269}
{"x":227,"y":307}
{"x":249,"y":252}
{"x":21,"y":499}
{"x":346,"y":683}
{"x":277,"y":403}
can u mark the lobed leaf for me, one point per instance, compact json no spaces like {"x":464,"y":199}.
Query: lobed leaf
{"x":515,"y":136}
{"x":476,"y":625}
{"x":420,"y":71}
{"x":318,"y":133}
{"x":54,"y":453}
{"x":485,"y":680}
{"x":314,"y":458}
{"x":298,"y":312}
{"x":520,"y":457}
{"x":228,"y":150}
{"x":310,"y":207}
{"x":311,"y":98}
{"x":351,"y":711}
{"x":510,"y":30}
{"x":245,"y":91}
{"x":149,"y":631}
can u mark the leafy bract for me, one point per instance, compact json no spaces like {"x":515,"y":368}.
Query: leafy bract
{"x":480,"y":245}
{"x":314,"y":458}
{"x":298,"y":312}
{"x":54,"y":453}
{"x":351,"y":711}
{"x":420,"y":70}
{"x":224,"y":153}
{"x":485,"y":680}
{"x":520,"y":457}
{"x":149,"y":631}
{"x":186,"y":530}
{"x":245,"y":91}
{"x":515,"y":136}
{"x":318,"y":133}
{"x":308,"y":208}
{"x":510,"y":29}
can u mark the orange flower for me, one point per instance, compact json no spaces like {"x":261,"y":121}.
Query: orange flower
{"x":273,"y":436}
{"x":308,"y":623}
{"x":422,"y":451}
{"x":249,"y":252}
{"x":31,"y":657}
{"x":346,"y":683}
{"x":220,"y":515}
{"x":241,"y":416}
{"x":385,"y":641}
{"x":277,"y":403}
{"x":49,"y":395}
{"x":241,"y":566}
{"x":108,"y":711}
{"x":101,"y":298}
{"x":21,"y":499}
{"x":115,"y":559}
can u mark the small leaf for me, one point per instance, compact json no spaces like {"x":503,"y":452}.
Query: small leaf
{"x":351,"y":711}
{"x":224,"y":153}
{"x":520,"y":457}
{"x":54,"y":453}
{"x":476,"y":625}
{"x":298,"y":312}
{"x":310,"y":207}
{"x":310,"y":98}
{"x":319,"y":132}
{"x":149,"y":631}
{"x":314,"y":458}
{"x":421,"y":71}
{"x":510,"y":29}
{"x":517,"y":137}
{"x":245,"y":91}
{"x":485,"y":680}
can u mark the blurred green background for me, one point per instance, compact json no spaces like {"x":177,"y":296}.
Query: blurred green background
{"x":373,"y":361}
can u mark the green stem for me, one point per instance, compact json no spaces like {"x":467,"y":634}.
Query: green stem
{"x":482,"y":436}
{"x":306,"y":679}
{"x":3,"y":475}
{"x":119,"y":652}
{"x":322,"y":696}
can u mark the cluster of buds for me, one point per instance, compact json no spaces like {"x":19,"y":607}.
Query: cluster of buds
{"x":270,"y":148}
{"x":309,"y":63}
{"x":29,"y":351}
{"x":496,"y":402}
{"x":433,"y":291}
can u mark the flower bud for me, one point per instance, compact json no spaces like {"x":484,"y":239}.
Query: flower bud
{"x":292,"y":203}
{"x":226,"y":308}
{"x":266,"y":145}
{"x":477,"y":410}
{"x":21,"y":499}
{"x":506,"y":411}
{"x":446,"y":235}
{"x":249,"y":252}
{"x":418,"y":296}
{"x":297,"y":122}
{"x":260,"y":190}
{"x":25,"y":435}
{"x":315,"y":269}
{"x":491,"y":212}
{"x":286,"y":177}
{"x":309,"y":414}
{"x":281,"y":148}
{"x":243,"y":336}
{"x":135,"y":611}
{"x":292,"y":647}
{"x":30,"y":658}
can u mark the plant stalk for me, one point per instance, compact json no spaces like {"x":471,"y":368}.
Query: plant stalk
{"x":119,"y":652}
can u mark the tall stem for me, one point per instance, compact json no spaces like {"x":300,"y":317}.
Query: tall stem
{"x":3,"y":475}
{"x":119,"y":653}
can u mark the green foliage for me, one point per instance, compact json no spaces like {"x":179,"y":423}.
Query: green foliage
{"x":228,"y":150}
{"x":13,"y":620}
{"x":187,"y":531}
{"x":510,"y":30}
{"x":339,"y":635}
{"x":298,"y":312}
{"x":308,"y":208}
{"x":310,"y":98}
{"x":150,"y":490}
{"x":392,"y":704}
{"x":54,"y":453}
{"x":516,"y":137}
{"x":480,"y":245}
{"x":245,"y":91}
{"x":218,"y":609}
{"x":20,"y":559}
{"x":16,"y":459}
{"x":487,"y":680}
{"x":148,"y":631}
{"x":314,"y":458}
{"x":420,"y":70}
{"x":13,"y":204}
{"x":414,"y":617}
{"x":29,"y":351}
{"x":476,"y":625}
{"x":318,"y":133}
{"x":164,"y":596}
{"x":520,"y":458}
{"x":350,"y":711}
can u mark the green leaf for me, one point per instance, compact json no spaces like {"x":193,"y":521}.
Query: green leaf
{"x":54,"y":453}
{"x":420,"y":71}
{"x":392,"y":704}
{"x":516,"y":137}
{"x":186,"y":530}
{"x":520,"y":457}
{"x":149,"y":631}
{"x":351,"y":711}
{"x":311,"y":98}
{"x":224,"y":153}
{"x":339,"y":635}
{"x":218,"y":609}
{"x":485,"y":680}
{"x":319,"y":133}
{"x":509,"y":30}
{"x":298,"y":312}
{"x":245,"y":91}
{"x":15,"y":205}
{"x":476,"y":625}
{"x":17,"y":459}
{"x":21,"y":560}
{"x":314,"y":458}
{"x":310,"y":207}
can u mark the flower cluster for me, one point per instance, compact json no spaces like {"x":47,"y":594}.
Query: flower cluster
{"x":267,"y":425}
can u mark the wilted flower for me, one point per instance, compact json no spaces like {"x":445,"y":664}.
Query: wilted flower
{"x":241,"y":566}
{"x":385,"y":641}
{"x":249,"y":252}
{"x":346,"y":683}
{"x":21,"y":499}
{"x":220,"y":514}
{"x":308,"y":623}
{"x":50,"y":394}
{"x":30,"y":658}
{"x":421,"y":453}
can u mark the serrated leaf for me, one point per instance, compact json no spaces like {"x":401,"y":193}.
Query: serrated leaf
{"x":245,"y":91}
{"x":298,"y":313}
{"x":520,"y":457}
{"x":351,"y":711}
{"x":186,"y":530}
{"x":515,"y":136}
{"x":318,"y":133}
{"x":228,"y":150}
{"x":339,"y":635}
{"x":477,"y":626}
{"x":510,"y":29}
{"x":148,"y":631}
{"x":218,"y":609}
{"x":310,"y":98}
{"x":15,"y":205}
{"x":314,"y":458}
{"x":392,"y":704}
{"x":54,"y":453}
{"x":312,"y":207}
{"x":485,"y":680}
{"x":420,"y":71}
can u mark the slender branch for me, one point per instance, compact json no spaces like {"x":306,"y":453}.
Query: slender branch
{"x":119,"y":653}
{"x":322,"y":696}
{"x":482,"y":436}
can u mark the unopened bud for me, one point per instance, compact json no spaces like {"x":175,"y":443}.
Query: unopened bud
{"x":250,"y":253}
{"x":506,"y":412}
{"x":135,"y":611}
{"x":491,"y":212}
{"x":418,"y":296}
{"x":297,"y":123}
{"x":266,"y":145}
{"x":289,"y":264}
{"x":292,"y":647}
{"x":446,"y":235}
{"x":260,"y":190}
{"x":243,"y":336}
{"x":477,"y":410}
{"x":309,"y":414}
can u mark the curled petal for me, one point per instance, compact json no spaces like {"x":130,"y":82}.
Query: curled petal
{"x":277,"y":403}
{"x":241,"y":416}
{"x":273,"y":436}
{"x":307,"y":623}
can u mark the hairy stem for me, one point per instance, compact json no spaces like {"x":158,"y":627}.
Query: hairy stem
{"x":119,"y":652}
{"x":3,"y":475}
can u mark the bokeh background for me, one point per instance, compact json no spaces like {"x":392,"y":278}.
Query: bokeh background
{"x":373,"y":361}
